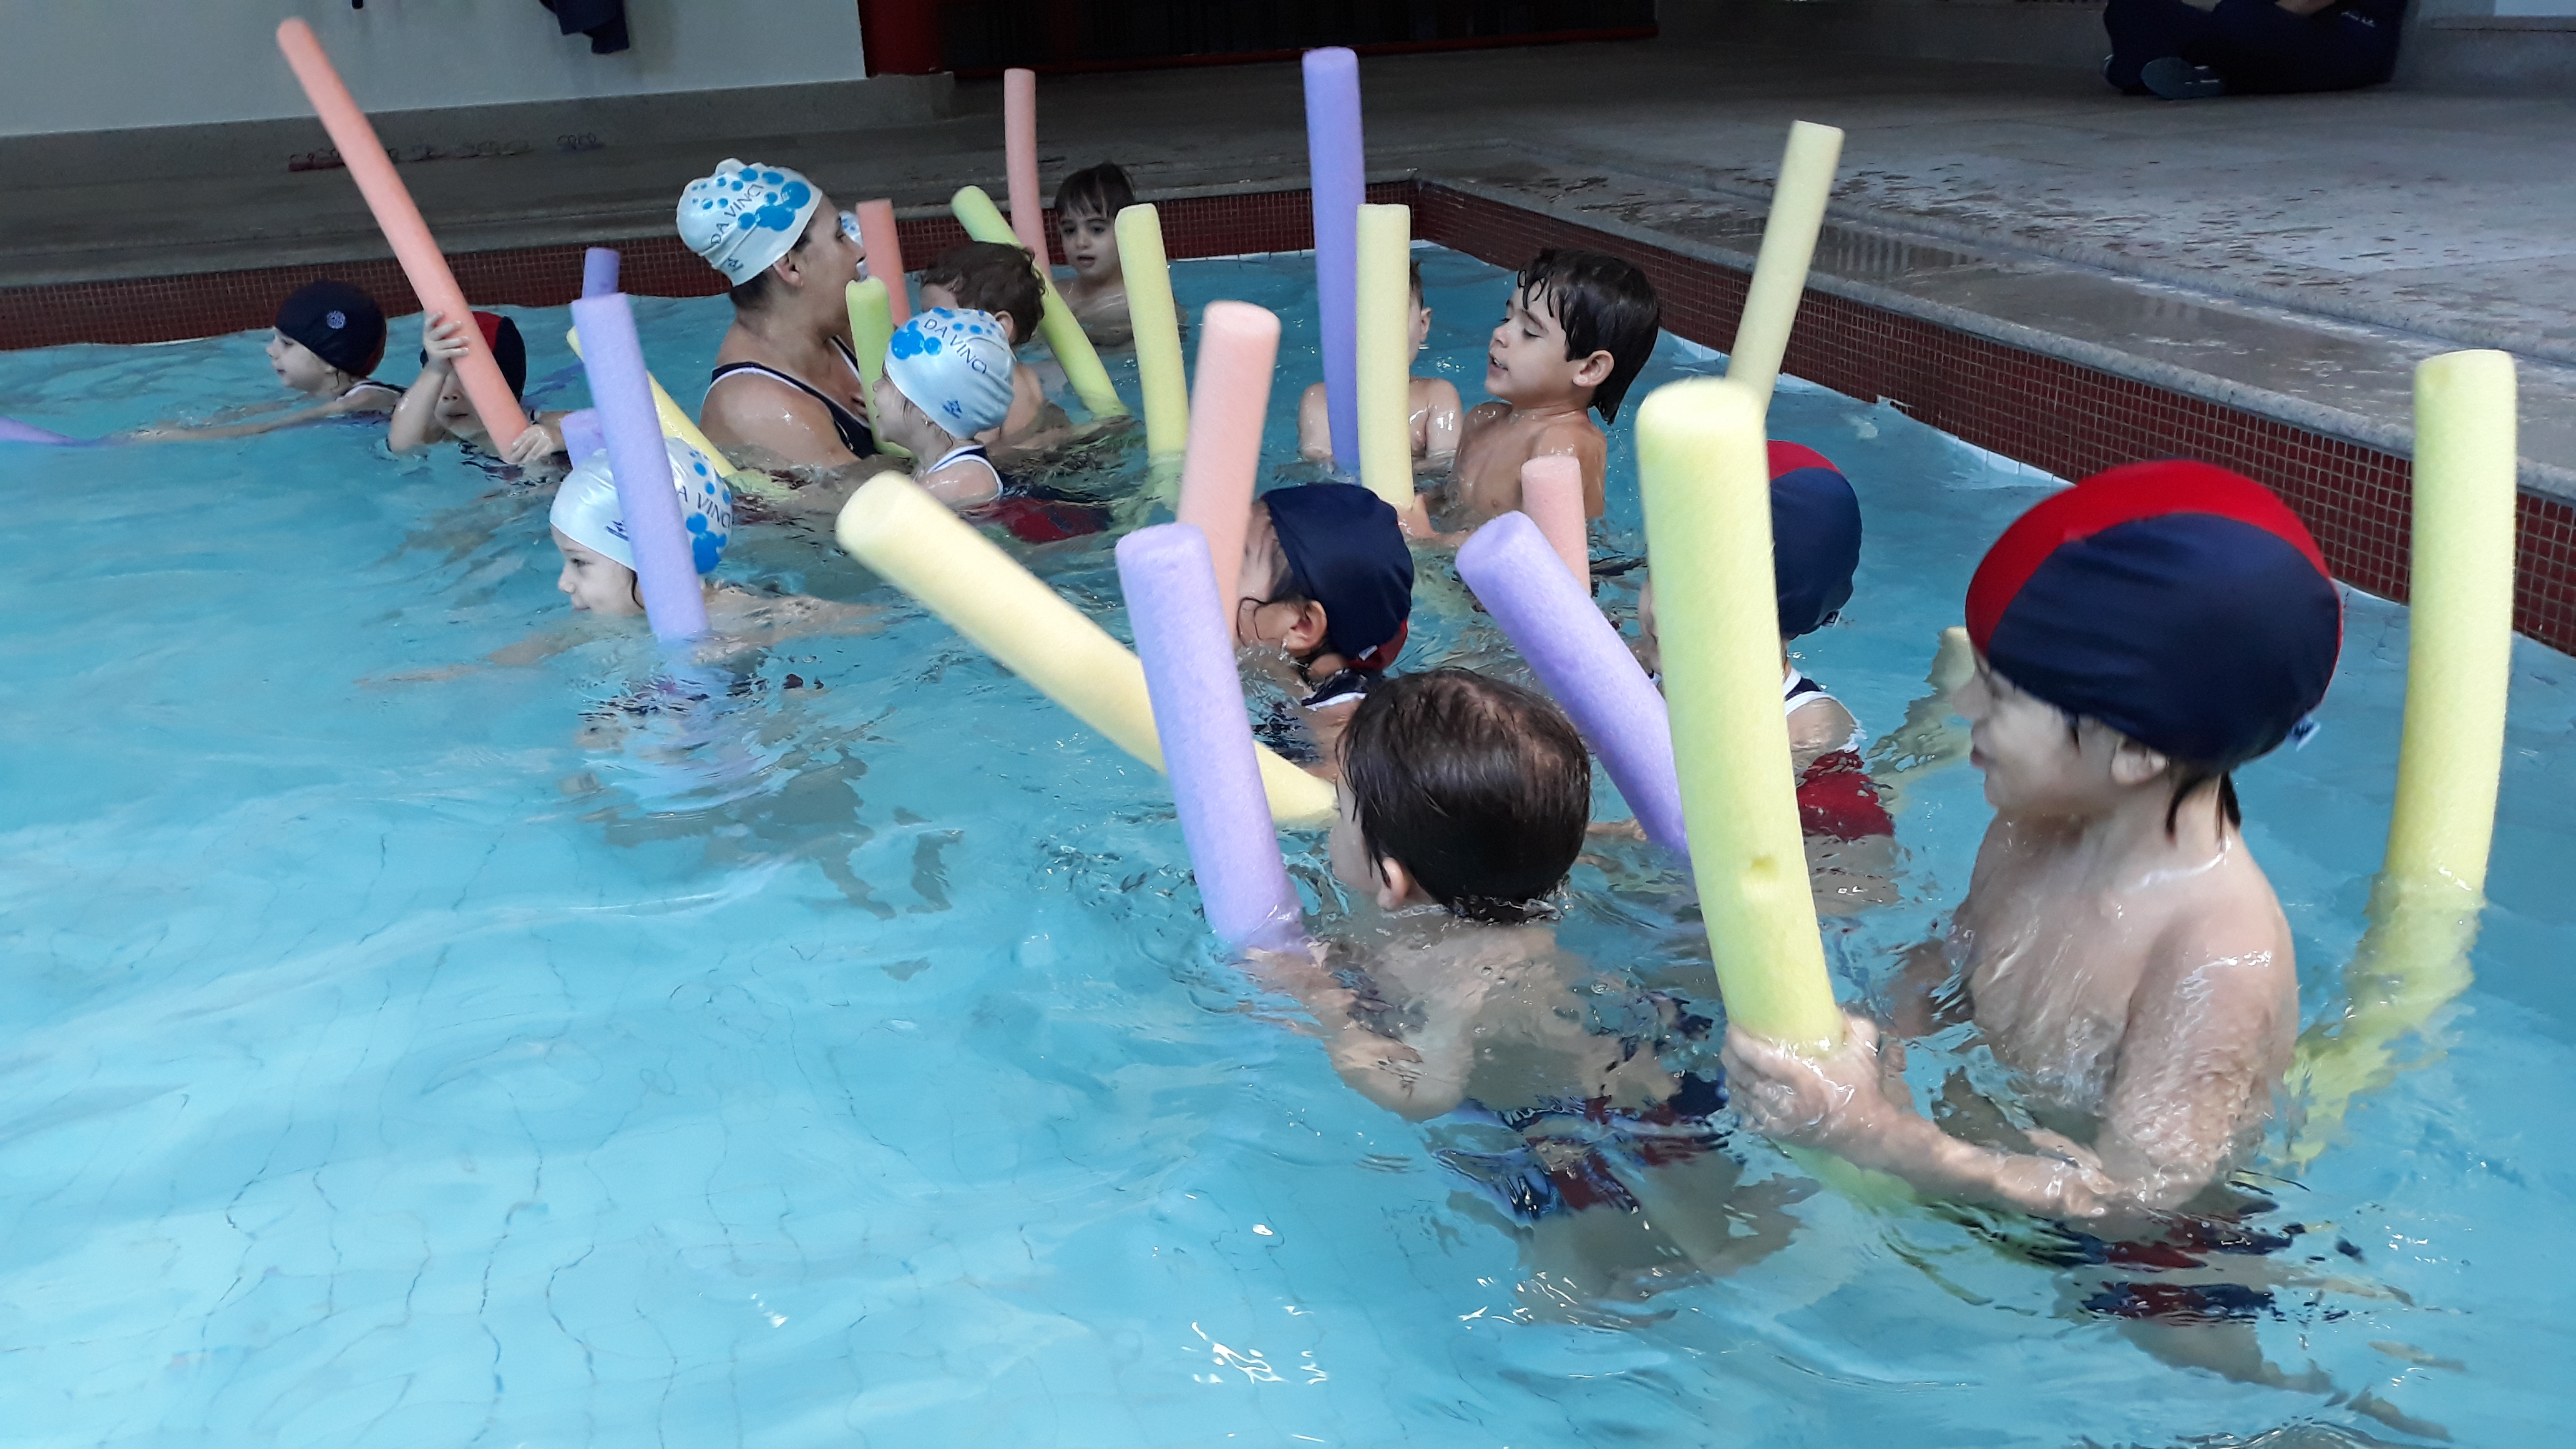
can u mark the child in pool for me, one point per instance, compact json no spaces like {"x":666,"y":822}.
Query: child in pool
{"x":1574,"y":335}
{"x":1462,"y":807}
{"x":1001,"y":280}
{"x":1086,"y":216}
{"x":947,"y":379}
{"x":1431,"y":403}
{"x":328,"y":337}
{"x":1327,"y":593}
{"x":2139,"y":636}
{"x":435,"y":408}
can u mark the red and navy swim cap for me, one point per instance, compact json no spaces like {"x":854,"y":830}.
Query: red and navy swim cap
{"x":1815,"y":538}
{"x":2179,"y":603}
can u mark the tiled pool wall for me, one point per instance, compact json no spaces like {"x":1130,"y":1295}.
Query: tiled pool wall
{"x":2045,"y":411}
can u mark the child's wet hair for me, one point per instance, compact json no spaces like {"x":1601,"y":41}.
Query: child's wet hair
{"x":2188,"y":779}
{"x":1479,"y":788}
{"x":1605,"y":305}
{"x":1100,"y":190}
{"x":991,"y":277}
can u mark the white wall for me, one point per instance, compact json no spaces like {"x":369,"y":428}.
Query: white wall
{"x":93,"y":65}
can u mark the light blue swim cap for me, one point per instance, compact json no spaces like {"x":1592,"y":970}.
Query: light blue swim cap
{"x":743,"y":218}
{"x":954,"y":366}
{"x":586,"y":507}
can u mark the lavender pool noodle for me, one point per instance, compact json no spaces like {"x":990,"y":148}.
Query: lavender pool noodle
{"x":1581,"y":659}
{"x":582,"y":436}
{"x":1337,"y":167}
{"x":1207,"y":738}
{"x":598,"y":271}
{"x":640,"y":466}
{"x":14,"y":431}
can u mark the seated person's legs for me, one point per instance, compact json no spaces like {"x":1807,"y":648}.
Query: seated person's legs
{"x":2261,"y":48}
{"x":2145,"y":30}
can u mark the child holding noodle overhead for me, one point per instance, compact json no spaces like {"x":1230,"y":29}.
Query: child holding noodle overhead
{"x":435,"y":409}
{"x":2139,"y":637}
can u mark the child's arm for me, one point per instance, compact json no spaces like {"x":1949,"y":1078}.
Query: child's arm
{"x":959,"y":485}
{"x":184,"y":433}
{"x":1388,"y":1072}
{"x":415,"y":422}
{"x":1442,"y":422}
{"x":1314,"y":426}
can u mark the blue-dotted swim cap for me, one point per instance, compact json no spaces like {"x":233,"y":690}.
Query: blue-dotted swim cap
{"x":955,"y":366}
{"x":743,"y":218}
{"x":586,"y":507}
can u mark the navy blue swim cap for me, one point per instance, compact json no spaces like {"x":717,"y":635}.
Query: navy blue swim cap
{"x":1815,"y":538}
{"x":337,"y":323}
{"x":1346,"y":551}
{"x":2179,"y":603}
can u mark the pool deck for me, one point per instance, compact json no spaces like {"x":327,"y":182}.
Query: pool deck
{"x":2295,"y":256}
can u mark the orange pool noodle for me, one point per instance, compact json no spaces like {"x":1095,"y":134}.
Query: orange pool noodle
{"x":1238,"y":348}
{"x":400,"y":221}
{"x":1020,"y":154}
{"x":1552,"y":495}
{"x":884,"y":246}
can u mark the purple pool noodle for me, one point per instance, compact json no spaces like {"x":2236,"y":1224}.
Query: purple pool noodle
{"x":1207,"y":738}
{"x":665,"y":572}
{"x":599,"y":271}
{"x":582,"y":436}
{"x":1584,"y":663}
{"x":1337,"y":172}
{"x":14,"y":431}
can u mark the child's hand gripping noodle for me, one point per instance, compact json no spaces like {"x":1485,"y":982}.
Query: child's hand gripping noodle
{"x":2140,"y":636}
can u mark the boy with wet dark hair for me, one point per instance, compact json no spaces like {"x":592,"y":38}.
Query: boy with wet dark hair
{"x":1001,"y":279}
{"x":1577,"y":330}
{"x":1326,"y":582}
{"x":1086,"y":215}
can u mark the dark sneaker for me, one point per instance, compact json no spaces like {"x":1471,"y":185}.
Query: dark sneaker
{"x":2177,"y":79}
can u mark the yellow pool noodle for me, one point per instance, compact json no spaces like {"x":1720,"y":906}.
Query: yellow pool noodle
{"x":680,"y":425}
{"x":2414,"y":956}
{"x":922,"y":548}
{"x":1383,"y":334}
{"x":871,"y":328}
{"x":1703,"y":470}
{"x":1788,"y":247}
{"x":1161,"y":375}
{"x":1064,"y":335}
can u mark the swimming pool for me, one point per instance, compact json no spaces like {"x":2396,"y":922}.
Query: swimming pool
{"x":409,"y":1049}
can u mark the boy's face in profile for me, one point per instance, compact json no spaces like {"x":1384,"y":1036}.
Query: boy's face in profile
{"x":1526,"y":363}
{"x":2033,"y":762}
{"x":296,"y":365}
{"x":1090,"y":243}
{"x":595,"y":582}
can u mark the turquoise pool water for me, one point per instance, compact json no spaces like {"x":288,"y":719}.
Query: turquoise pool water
{"x":406,"y":1049}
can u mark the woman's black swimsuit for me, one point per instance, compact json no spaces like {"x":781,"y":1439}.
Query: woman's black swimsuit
{"x":852,"y":428}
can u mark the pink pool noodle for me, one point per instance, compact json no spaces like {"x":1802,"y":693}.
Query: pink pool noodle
{"x":404,"y":231}
{"x":1229,"y":399}
{"x":599,"y":272}
{"x":1337,"y":168}
{"x":1197,"y":700}
{"x":1020,"y":154}
{"x":884,"y":246}
{"x":666,"y":574}
{"x":1552,"y":495}
{"x":1584,"y":663}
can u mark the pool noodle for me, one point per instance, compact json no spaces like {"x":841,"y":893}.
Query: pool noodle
{"x":680,"y":425}
{"x":1197,"y":698}
{"x":1020,"y":159}
{"x":14,"y":431}
{"x":882,"y":240}
{"x":599,"y":271}
{"x":582,"y":436}
{"x":2424,"y":906}
{"x":923,"y":548}
{"x":1337,"y":178}
{"x":1160,"y":374}
{"x":404,"y":230}
{"x":1064,"y":334}
{"x":1788,"y":248}
{"x":1552,"y":496}
{"x":1382,"y":326}
{"x":1523,"y":584}
{"x":872,"y":324}
{"x":666,"y":573}
{"x":1238,"y":352}
{"x":1702,"y":467}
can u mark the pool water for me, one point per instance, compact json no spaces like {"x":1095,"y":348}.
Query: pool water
{"x":405,"y":1048}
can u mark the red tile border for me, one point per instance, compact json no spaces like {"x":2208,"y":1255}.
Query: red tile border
{"x":2043,"y":411}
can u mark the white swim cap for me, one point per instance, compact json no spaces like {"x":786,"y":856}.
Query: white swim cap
{"x":587,"y":512}
{"x":954,"y":366}
{"x":743,"y":218}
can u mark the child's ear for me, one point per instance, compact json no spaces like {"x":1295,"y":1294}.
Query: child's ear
{"x":1010,"y":325}
{"x":1594,"y":370}
{"x":1306,"y":633}
{"x":2133,"y":764}
{"x":1394,"y":884}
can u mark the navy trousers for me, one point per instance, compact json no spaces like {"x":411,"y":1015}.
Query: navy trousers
{"x":2256,"y":46}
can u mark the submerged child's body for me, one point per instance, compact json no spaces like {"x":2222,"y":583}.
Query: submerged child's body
{"x":1327,"y":599}
{"x":1432,"y":408}
{"x":435,"y":409}
{"x":1001,"y":280}
{"x":2140,"y":636}
{"x":327,"y":339}
{"x":1086,"y":225}
{"x":1576,"y":331}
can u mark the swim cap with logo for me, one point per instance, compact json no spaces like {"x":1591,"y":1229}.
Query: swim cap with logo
{"x":955,"y":366}
{"x":587,"y":511}
{"x":744,"y":218}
